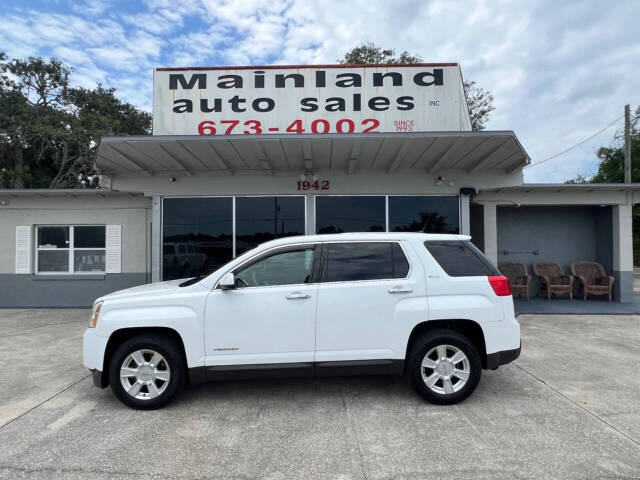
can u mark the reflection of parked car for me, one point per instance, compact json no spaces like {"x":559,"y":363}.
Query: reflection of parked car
{"x":183,"y":258}
{"x":430,"y":306}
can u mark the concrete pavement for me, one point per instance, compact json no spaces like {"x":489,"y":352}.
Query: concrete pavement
{"x":567,"y":408}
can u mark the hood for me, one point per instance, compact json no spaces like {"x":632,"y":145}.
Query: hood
{"x":150,"y":289}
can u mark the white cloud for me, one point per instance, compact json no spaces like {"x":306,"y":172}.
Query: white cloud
{"x":90,"y":7}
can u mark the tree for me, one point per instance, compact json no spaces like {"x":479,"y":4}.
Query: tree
{"x":370,"y":53}
{"x":49,"y":130}
{"x":479,"y":101}
{"x":611,"y":167}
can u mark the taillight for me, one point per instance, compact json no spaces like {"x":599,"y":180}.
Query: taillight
{"x":500,"y":285}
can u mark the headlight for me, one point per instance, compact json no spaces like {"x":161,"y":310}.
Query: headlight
{"x":95,"y":314}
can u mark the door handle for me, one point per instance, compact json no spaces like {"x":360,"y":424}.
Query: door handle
{"x":400,"y":290}
{"x":298,"y":296}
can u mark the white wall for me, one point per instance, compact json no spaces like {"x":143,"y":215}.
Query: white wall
{"x":361,"y":182}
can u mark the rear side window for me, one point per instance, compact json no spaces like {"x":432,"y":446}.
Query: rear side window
{"x":460,"y":258}
{"x":349,"y":262}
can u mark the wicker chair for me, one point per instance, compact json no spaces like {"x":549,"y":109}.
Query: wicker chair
{"x":553,"y":279}
{"x":519,"y":279}
{"x":593,"y":279}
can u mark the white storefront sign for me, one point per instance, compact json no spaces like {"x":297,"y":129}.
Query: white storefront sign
{"x":309,"y":99}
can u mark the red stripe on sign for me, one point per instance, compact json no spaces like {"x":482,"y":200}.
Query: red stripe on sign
{"x":281,"y":67}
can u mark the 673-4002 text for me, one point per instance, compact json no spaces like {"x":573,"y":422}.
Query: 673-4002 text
{"x":255,"y":127}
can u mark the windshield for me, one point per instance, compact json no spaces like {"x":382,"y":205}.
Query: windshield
{"x":194,"y":280}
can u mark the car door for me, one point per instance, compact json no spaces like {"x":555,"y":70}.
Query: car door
{"x":369,"y":296}
{"x":269,"y":318}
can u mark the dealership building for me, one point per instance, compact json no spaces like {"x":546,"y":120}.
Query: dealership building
{"x":242,"y":155}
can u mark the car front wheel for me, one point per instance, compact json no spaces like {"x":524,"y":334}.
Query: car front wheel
{"x":147,"y":371}
{"x":444,"y":367}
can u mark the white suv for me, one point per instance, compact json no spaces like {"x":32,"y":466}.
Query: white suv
{"x":430,"y":306}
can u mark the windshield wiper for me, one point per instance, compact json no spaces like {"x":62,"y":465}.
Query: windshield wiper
{"x":191,"y":281}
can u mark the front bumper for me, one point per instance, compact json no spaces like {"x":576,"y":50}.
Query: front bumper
{"x":494,"y":360}
{"x":93,"y":348}
{"x":99,"y":378}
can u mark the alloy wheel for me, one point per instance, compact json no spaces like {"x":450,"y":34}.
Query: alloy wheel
{"x":445,"y":369}
{"x":145,"y":374}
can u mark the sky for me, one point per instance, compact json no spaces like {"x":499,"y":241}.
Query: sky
{"x":560,"y":71}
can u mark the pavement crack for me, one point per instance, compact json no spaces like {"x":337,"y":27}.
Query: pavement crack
{"x":92,"y":472}
{"x":355,"y":435}
{"x":570,"y":400}
{"x":19,"y":332}
{"x":44,"y":401}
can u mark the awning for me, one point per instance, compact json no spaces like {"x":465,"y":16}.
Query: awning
{"x":63,"y":192}
{"x":432,"y":152}
{"x":566,"y":187}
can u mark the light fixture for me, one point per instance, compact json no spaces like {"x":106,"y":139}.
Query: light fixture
{"x":4,"y":202}
{"x":441,"y":179}
{"x":308,"y":176}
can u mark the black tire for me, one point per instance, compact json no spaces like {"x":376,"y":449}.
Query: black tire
{"x":424,"y":344}
{"x":172,"y":354}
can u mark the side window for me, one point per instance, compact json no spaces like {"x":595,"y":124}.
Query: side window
{"x":460,"y":258}
{"x":355,"y":261}
{"x":291,"y":267}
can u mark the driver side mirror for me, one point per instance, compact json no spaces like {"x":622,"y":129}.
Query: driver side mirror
{"x":228,"y":282}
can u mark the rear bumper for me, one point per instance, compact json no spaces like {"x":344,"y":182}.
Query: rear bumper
{"x":494,"y":360}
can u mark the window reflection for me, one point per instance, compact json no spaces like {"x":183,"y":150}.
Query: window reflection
{"x":350,"y":214}
{"x":429,"y":214}
{"x":287,"y":268}
{"x":197,"y":235}
{"x":364,"y":261}
{"x":259,"y":219}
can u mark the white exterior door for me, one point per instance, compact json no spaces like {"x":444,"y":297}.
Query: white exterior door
{"x":270,"y":316}
{"x":369,"y":294}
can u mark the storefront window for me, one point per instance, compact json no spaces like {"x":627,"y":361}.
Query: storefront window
{"x":338,"y":214}
{"x":429,"y":214}
{"x":197,"y":235}
{"x":259,"y":219}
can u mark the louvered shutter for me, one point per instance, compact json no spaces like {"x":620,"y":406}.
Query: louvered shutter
{"x":113,"y":261}
{"x":23,"y":249}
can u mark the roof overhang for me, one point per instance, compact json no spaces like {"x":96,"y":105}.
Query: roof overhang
{"x":63,"y":192}
{"x":432,"y":152}
{"x":566,"y":187}
{"x":562,"y":194}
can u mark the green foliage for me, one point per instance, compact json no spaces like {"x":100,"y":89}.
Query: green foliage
{"x":49,"y":130}
{"x":370,"y":53}
{"x":480,"y":101}
{"x":480,"y":104}
{"x":611,"y":168}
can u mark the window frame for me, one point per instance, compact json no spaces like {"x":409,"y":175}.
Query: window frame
{"x":71,"y":249}
{"x":315,"y":266}
{"x":234,"y":254}
{"x":324,"y":257}
{"x":386,"y":206}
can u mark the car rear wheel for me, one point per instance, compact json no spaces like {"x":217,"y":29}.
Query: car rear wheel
{"x":147,"y":371}
{"x":444,"y":367}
